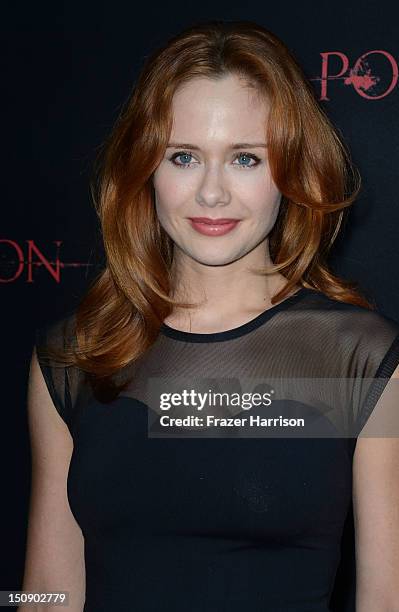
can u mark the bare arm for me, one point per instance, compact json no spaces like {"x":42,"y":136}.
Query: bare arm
{"x":376,"y":515}
{"x":55,"y":546}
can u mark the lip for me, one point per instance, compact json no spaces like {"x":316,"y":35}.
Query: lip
{"x":213,"y":227}
{"x":210,"y":221}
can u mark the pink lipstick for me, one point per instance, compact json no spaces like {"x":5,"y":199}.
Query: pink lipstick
{"x":213,"y":227}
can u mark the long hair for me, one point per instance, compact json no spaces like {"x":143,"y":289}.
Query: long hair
{"x":121,"y":312}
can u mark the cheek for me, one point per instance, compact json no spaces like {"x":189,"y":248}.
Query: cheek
{"x":172,"y":187}
{"x":256,"y":183}
{"x":168,"y":203}
{"x":261,"y":197}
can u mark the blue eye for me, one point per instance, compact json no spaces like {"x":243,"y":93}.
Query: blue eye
{"x":183,"y":154}
{"x":185,"y":159}
{"x":248,"y":156}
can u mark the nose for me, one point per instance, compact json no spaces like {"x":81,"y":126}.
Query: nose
{"x":212,"y":190}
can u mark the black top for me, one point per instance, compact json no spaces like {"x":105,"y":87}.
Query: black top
{"x":217,"y":523}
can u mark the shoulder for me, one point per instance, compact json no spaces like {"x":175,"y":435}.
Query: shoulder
{"x":66,"y":382}
{"x":344,"y":311}
{"x":362,"y":341}
{"x":353,"y":320}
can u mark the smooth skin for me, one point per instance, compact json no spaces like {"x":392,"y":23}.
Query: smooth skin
{"x":214,"y":180}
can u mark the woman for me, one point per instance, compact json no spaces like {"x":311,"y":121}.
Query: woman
{"x":223,"y":186}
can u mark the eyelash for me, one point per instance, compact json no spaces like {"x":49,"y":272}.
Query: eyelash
{"x":240,"y":154}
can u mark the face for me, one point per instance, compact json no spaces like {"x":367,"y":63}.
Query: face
{"x":208,"y":172}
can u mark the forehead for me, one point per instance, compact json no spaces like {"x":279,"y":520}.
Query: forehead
{"x":223,"y":108}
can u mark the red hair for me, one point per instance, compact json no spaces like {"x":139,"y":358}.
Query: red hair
{"x":120,"y":315}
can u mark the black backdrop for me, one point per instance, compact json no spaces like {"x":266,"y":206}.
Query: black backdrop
{"x":66,"y":70}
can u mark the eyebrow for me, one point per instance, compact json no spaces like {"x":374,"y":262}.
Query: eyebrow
{"x":237,"y":145}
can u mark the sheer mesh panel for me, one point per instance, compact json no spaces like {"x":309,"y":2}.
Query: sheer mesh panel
{"x":67,"y":386}
{"x":305,"y":336}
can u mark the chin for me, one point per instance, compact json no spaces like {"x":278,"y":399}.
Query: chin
{"x":216,"y":260}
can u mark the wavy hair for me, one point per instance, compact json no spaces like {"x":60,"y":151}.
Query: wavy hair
{"x":121,"y":312}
